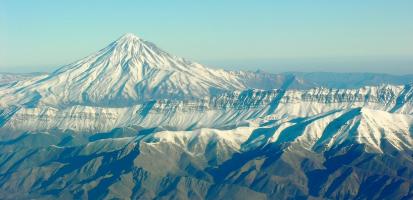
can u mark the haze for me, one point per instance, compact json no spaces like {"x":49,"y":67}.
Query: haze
{"x":350,"y":36}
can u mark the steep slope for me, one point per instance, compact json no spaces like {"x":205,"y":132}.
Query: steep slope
{"x":126,"y":72}
{"x":131,"y":71}
{"x":335,"y":155}
{"x":132,"y":121}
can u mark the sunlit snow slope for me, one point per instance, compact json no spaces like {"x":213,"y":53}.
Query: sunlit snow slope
{"x":126,"y":72}
{"x":134,"y":122}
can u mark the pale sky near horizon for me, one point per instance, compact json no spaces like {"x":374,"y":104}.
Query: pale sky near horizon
{"x":276,"y":36}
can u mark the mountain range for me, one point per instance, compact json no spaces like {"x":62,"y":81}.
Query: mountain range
{"x":132,"y":121}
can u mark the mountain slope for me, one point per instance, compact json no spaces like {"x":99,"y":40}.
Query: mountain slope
{"x":134,"y":122}
{"x":128,"y":71}
{"x":225,"y":110}
{"x":131,"y":71}
{"x":10,"y":78}
{"x":334,"y":155}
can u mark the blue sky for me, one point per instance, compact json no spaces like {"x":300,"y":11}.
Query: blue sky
{"x":276,"y":36}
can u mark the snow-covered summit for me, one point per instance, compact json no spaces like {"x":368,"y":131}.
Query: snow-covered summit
{"x":130,"y":36}
{"x":131,"y":71}
{"x":127,"y":71}
{"x":128,"y":51}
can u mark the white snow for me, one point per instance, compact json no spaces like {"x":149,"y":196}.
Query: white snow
{"x":133,"y":82}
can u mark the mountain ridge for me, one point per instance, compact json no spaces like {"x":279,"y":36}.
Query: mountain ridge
{"x":134,"y":122}
{"x":219,"y":111}
{"x":131,"y":71}
{"x":127,"y":71}
{"x":257,"y":161}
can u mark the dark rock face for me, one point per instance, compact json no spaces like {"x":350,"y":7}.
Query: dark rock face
{"x":138,"y":165}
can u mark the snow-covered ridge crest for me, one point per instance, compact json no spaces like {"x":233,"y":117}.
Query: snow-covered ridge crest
{"x":225,"y":110}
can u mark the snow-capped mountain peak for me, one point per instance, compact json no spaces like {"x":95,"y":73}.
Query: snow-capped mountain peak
{"x":127,"y":51}
{"x":92,"y":127}
{"x":130,"y":36}
{"x":131,"y":71}
{"x":127,"y":71}
{"x":130,"y":45}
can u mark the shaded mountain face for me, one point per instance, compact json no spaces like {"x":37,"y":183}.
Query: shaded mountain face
{"x":337,"y":155}
{"x":134,"y":122}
